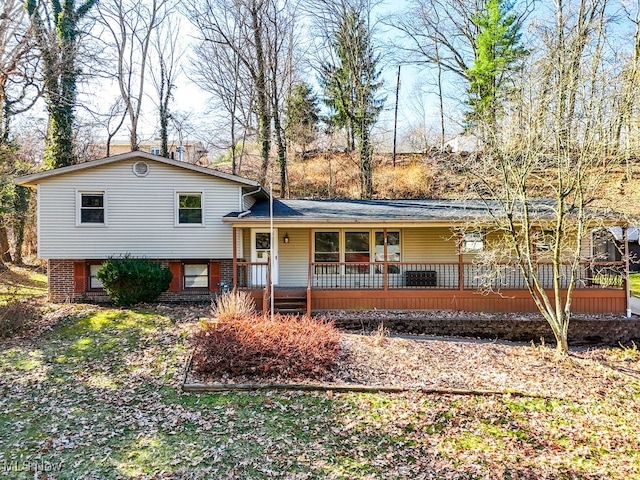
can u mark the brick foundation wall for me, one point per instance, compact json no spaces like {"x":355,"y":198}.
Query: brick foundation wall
{"x":581,"y":332}
{"x":61,"y":284}
{"x":60,"y":274}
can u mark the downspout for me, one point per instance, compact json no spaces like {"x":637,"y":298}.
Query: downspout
{"x":244,"y":195}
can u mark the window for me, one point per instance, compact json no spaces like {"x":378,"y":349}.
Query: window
{"x":196,"y":275}
{"x":473,"y":242}
{"x":155,"y":150}
{"x":393,"y":250}
{"x":327,"y":249}
{"x":190,"y":209}
{"x":544,"y":240}
{"x":91,"y":208}
{"x":356,"y":250}
{"x":94,"y":282}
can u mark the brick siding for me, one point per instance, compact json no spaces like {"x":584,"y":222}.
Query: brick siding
{"x":61,"y":284}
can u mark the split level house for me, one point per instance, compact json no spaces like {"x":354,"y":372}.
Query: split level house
{"x":216,"y":231}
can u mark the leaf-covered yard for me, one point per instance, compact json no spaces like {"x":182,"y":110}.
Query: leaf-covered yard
{"x":97,"y":396}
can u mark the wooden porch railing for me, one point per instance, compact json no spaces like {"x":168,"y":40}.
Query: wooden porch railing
{"x":251,"y":274}
{"x":454,"y":276}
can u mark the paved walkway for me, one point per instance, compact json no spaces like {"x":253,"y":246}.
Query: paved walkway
{"x":635,"y":305}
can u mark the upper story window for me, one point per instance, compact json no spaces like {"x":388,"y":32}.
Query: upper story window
{"x":155,"y":150}
{"x":92,"y":208}
{"x":189,"y":209}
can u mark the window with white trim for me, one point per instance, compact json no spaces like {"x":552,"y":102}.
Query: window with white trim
{"x":473,"y":242}
{"x":189,"y":208}
{"x":91,"y":208}
{"x":195,"y":275}
{"x":393,"y":250}
{"x":94,"y":282}
{"x":326,"y":249}
{"x":356,"y":250}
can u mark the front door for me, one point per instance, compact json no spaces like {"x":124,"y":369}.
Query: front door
{"x":260,"y":252}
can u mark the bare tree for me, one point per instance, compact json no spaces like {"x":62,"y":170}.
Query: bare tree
{"x":167,"y":54}
{"x":219,"y":70}
{"x":18,"y":93}
{"x":280,"y":46}
{"x":553,"y":146}
{"x":240,"y":27}
{"x":131,"y":25}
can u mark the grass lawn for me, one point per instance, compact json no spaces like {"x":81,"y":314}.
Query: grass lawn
{"x":634,"y":282}
{"x":97,"y":397}
{"x":22,"y":282}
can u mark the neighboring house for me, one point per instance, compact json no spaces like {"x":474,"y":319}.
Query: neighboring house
{"x":463,"y":144}
{"x":610,"y":246}
{"x":190,"y":152}
{"x":210,"y":227}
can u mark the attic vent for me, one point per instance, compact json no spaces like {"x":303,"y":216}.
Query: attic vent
{"x":140,"y":169}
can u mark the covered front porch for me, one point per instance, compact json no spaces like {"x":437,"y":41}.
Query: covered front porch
{"x":402,"y":267}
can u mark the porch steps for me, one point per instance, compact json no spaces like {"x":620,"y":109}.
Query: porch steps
{"x":290,"y":301}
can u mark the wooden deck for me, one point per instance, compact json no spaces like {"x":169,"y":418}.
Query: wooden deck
{"x":584,"y":300}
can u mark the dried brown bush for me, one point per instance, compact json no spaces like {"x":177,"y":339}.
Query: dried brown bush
{"x":289,"y":346}
{"x":233,"y":305}
{"x":17,"y":317}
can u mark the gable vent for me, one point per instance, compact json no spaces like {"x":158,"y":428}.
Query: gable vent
{"x":140,"y":169}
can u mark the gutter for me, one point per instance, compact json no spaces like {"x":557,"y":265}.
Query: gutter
{"x":244,"y":195}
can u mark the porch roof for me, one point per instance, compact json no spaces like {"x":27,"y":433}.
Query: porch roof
{"x":380,"y":211}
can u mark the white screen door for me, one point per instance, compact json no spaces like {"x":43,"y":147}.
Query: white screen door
{"x":260,"y":251}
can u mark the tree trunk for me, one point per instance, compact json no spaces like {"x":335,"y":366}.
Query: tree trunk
{"x":264,"y":117}
{"x":5,"y":253}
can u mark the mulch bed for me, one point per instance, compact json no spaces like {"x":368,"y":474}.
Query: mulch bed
{"x":441,"y":364}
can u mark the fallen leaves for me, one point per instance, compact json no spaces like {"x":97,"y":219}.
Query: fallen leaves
{"x":117,"y":412}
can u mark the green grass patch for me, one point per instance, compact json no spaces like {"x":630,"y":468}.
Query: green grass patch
{"x":634,"y":283}
{"x":18,"y":283}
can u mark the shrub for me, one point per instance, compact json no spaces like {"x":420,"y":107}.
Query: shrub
{"x":255,"y":345}
{"x":133,"y":280}
{"x":232,"y":305}
{"x":17,"y":317}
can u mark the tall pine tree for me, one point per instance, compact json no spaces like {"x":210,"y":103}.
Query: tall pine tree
{"x":498,"y":51}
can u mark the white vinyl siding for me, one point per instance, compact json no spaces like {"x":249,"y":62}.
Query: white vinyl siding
{"x":140,"y":212}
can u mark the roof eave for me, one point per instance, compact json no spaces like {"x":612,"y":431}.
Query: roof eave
{"x":33,"y":179}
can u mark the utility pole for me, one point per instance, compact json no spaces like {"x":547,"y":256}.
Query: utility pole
{"x":395,"y":119}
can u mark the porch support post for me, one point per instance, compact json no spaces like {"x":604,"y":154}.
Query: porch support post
{"x":385,"y":272}
{"x":460,"y":264}
{"x":235,"y":257}
{"x":627,"y":285}
{"x":310,"y":273}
